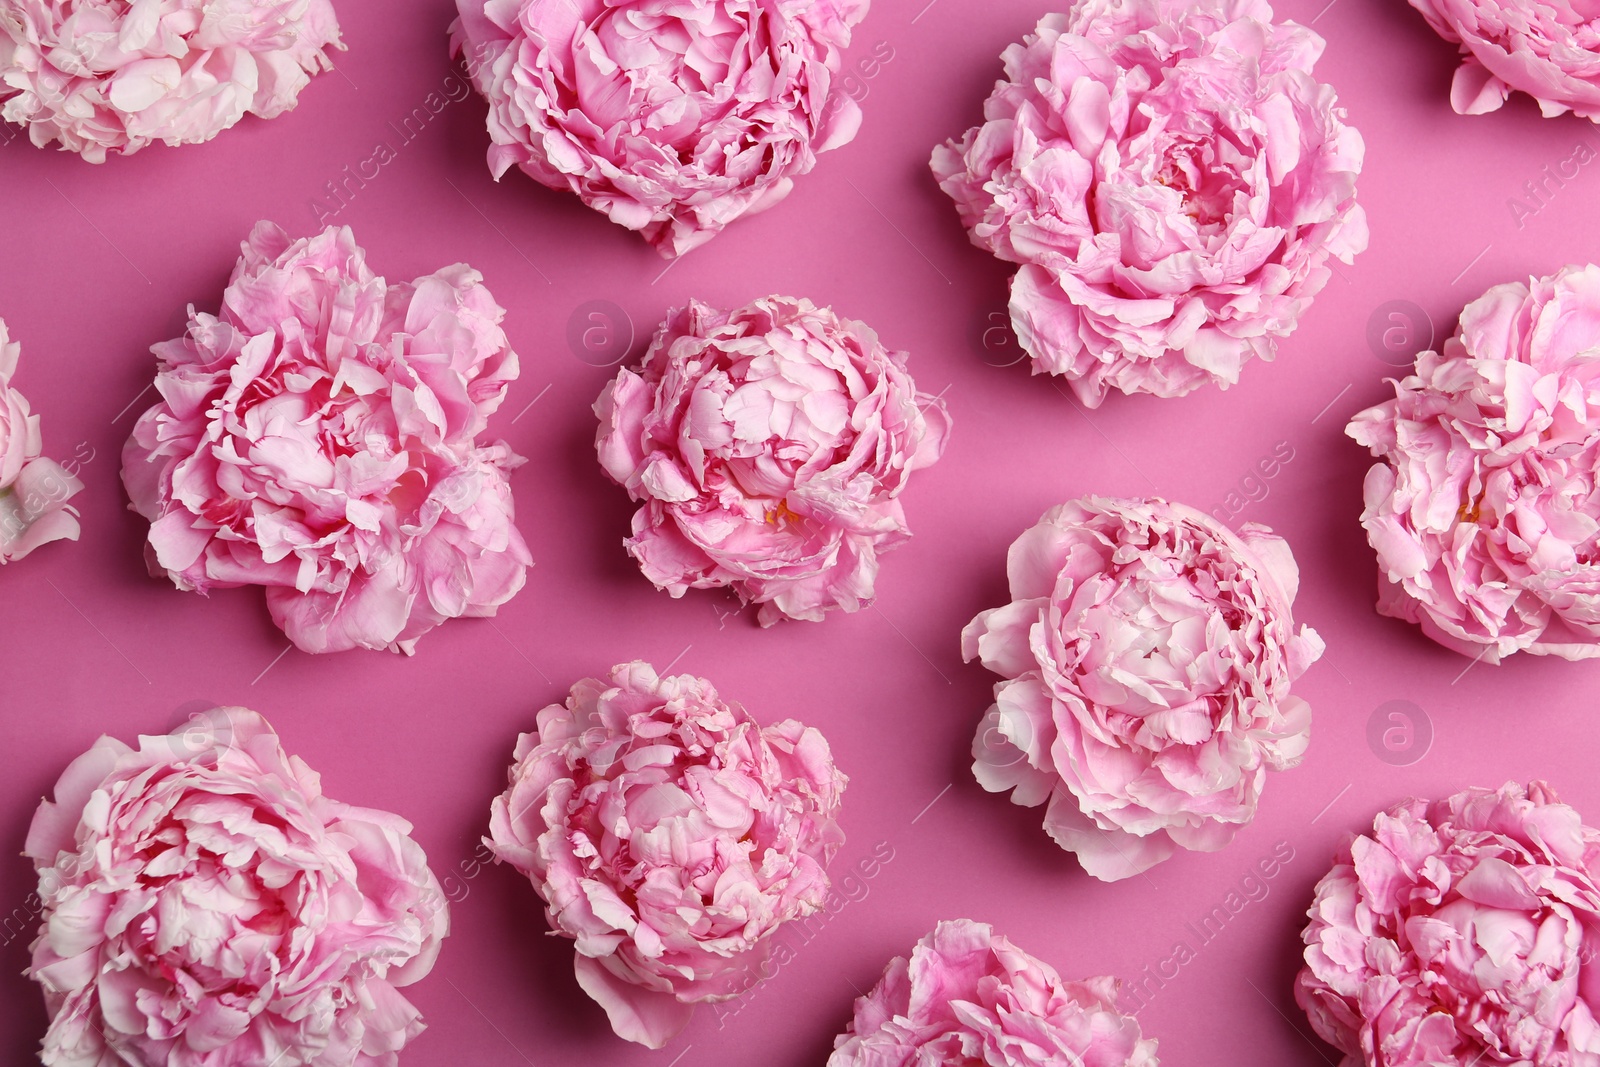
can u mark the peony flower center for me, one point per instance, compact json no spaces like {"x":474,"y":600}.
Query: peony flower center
{"x":782,"y":516}
{"x":1196,"y":170}
{"x":1143,"y":648}
{"x":662,"y":77}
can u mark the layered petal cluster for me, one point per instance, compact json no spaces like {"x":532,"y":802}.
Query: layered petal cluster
{"x":669,"y":835}
{"x":1459,"y":932}
{"x":1173,"y":181}
{"x":319,"y":437}
{"x":672,"y":117}
{"x":767,"y":447}
{"x":1147,"y":652}
{"x":204,"y":905}
{"x":969,"y":996}
{"x":1549,"y":49}
{"x":33,"y":490}
{"x":112,"y":76}
{"x":1483,"y":507}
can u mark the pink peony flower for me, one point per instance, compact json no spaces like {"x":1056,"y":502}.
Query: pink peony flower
{"x":969,"y":996}
{"x":1172,"y":180}
{"x":1483,"y":510}
{"x":1549,"y":49}
{"x":206,"y":906}
{"x":319,"y":438}
{"x":103,"y":76}
{"x":673,"y":117}
{"x":670,"y":835}
{"x":1147,"y":653}
{"x":33,"y":490}
{"x":768,"y":447}
{"x":1460,"y":932}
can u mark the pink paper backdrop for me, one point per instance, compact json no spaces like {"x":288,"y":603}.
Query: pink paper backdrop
{"x":99,"y":262}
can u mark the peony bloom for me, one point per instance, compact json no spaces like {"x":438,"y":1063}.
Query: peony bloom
{"x":768,"y":447}
{"x":1549,"y":49}
{"x":33,"y":490}
{"x":673,"y":117}
{"x":206,"y":906}
{"x":103,"y":76}
{"x":1483,"y":510}
{"x":1172,"y":180}
{"x":1147,"y":653}
{"x":969,"y":996}
{"x":670,"y":835}
{"x":1460,"y":932}
{"x":319,"y":438}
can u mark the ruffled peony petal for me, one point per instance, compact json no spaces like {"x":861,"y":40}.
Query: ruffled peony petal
{"x":320,"y":439}
{"x":1475,"y":91}
{"x":968,"y":995}
{"x":110,"y":79}
{"x":1550,"y":51}
{"x":1173,"y":183}
{"x":767,"y":447}
{"x":1148,"y":653}
{"x":203,"y":903}
{"x":1109,"y":854}
{"x":673,"y":120}
{"x":1482,"y":508}
{"x":640,"y":1015}
{"x":33,"y":490}
{"x":1457,"y":932}
{"x":669,"y":836}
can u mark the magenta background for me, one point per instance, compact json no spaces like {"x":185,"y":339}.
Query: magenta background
{"x":99,"y":263}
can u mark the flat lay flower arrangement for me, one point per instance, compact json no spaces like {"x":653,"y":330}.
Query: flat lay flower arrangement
{"x":799,"y":532}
